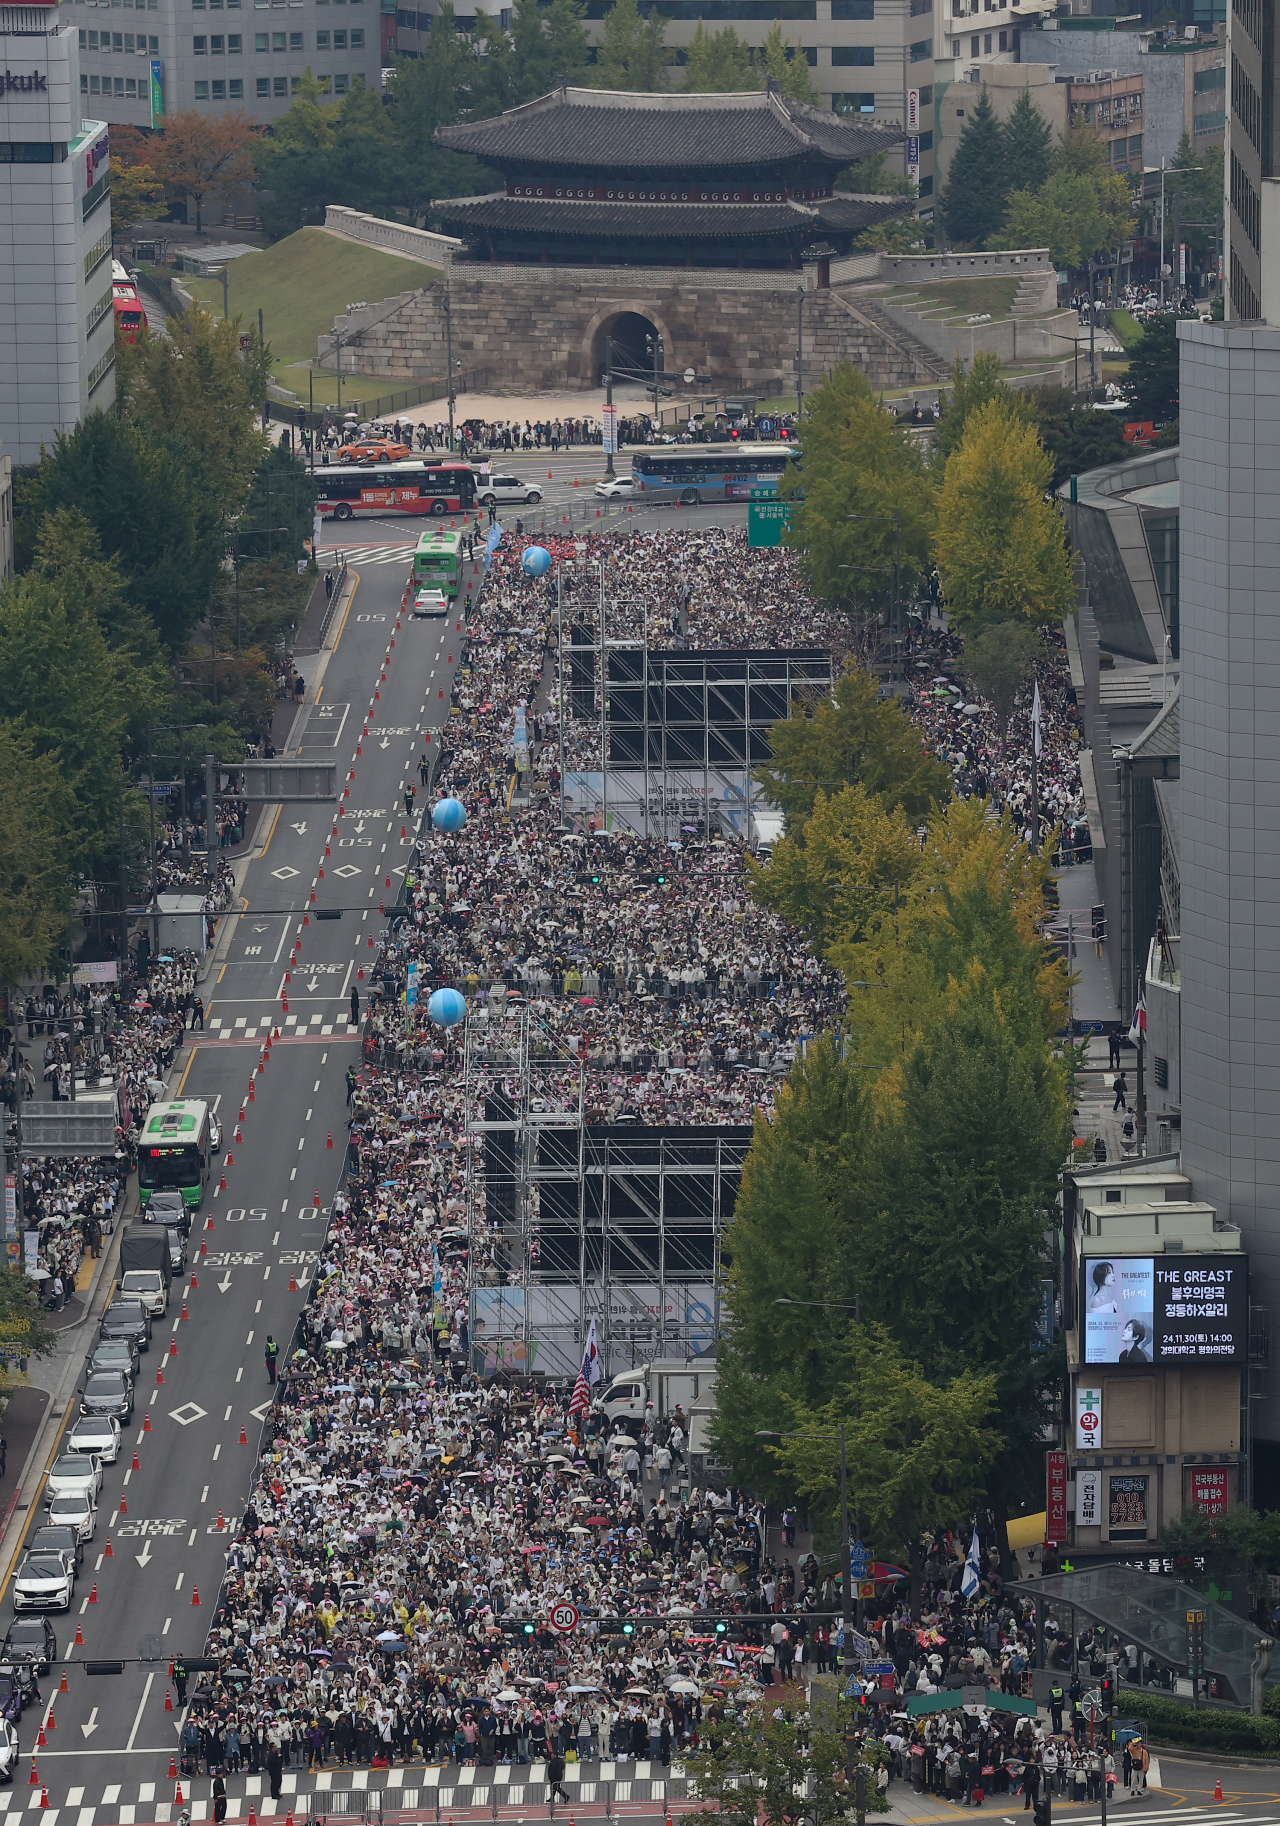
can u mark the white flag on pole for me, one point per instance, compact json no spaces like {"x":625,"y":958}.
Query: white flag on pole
{"x":969,"y":1582}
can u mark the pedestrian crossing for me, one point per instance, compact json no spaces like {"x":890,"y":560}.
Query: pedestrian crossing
{"x":250,"y":1027}
{"x":370,"y":554}
{"x":449,"y":1790}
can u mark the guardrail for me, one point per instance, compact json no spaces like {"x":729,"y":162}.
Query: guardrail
{"x":332,"y":605}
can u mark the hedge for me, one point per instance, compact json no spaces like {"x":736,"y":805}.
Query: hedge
{"x":1204,"y":1727}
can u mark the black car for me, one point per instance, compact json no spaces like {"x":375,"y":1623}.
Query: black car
{"x":31,"y":1639}
{"x":127,"y":1319}
{"x":109,"y":1392}
{"x":17,"y":1689}
{"x":169,"y":1208}
{"x":114,"y":1353}
{"x":52,"y":1539}
{"x":177,"y":1249}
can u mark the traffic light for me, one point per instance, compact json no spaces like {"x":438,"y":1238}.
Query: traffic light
{"x":1107,"y":1692}
{"x":721,"y":1626}
{"x":528,"y":1629}
{"x":628,"y":1629}
{"x":1043,"y":1810}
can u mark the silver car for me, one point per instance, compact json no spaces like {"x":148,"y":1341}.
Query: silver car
{"x":75,"y":1510}
{"x":98,"y":1434}
{"x":74,"y":1471}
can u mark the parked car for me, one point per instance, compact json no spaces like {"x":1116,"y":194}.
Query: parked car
{"x":127,"y":1319}
{"x":177,"y":1250}
{"x":31,"y":1639}
{"x":8,"y":1750}
{"x":108,"y":1392}
{"x":98,"y":1434}
{"x":50,"y":1539}
{"x":17,"y":1689}
{"x":499,"y":490}
{"x":76,"y":1510}
{"x":167,"y":1207}
{"x":74,"y":1471}
{"x":115,"y":1354}
{"x":148,"y":1285}
{"x":44,"y":1582}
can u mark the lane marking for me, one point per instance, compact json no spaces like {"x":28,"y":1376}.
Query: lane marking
{"x":142,"y":1703}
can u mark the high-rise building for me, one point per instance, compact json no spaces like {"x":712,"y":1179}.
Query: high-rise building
{"x":1251,"y":149}
{"x":161,"y":57}
{"x":57,"y":326}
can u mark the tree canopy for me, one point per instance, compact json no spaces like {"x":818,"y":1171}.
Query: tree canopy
{"x":1153,"y":370}
{"x":971,"y":206}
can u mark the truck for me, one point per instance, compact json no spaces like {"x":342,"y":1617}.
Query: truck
{"x":146,"y":1267}
{"x":667,"y":1382}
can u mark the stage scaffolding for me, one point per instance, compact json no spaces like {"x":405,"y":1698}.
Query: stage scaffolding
{"x":570,"y":1220}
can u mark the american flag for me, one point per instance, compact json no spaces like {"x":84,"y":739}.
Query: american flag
{"x":588,"y":1375}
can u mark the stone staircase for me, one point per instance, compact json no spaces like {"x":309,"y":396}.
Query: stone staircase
{"x":858,"y":330}
{"x":1028,"y":300}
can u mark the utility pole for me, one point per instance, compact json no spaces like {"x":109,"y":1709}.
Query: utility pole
{"x":799,"y":351}
{"x":335,"y":337}
{"x":124,"y":893}
{"x":210,"y":817}
{"x":151,"y":816}
{"x":448,"y":358}
{"x":613,"y":427}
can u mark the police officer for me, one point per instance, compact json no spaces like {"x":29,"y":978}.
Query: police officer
{"x":271,"y":1353}
{"x":180,"y":1679}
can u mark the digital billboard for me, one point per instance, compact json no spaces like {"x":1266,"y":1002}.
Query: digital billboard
{"x":1165,"y":1309}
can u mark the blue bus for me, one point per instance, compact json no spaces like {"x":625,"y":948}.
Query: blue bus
{"x":691,"y":473}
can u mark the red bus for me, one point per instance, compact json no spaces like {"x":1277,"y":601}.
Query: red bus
{"x":396,"y":488}
{"x":130,"y":316}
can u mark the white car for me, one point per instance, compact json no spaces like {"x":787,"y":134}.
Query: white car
{"x":499,"y":490}
{"x":429,"y":605}
{"x":44,"y":1582}
{"x":618,"y":486}
{"x":75,"y":1510}
{"x":99,"y":1434}
{"x":74,"y":1471}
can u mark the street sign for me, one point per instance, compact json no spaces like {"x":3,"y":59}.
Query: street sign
{"x":877,"y":1667}
{"x":609,"y":428}
{"x":690,"y":375}
{"x":767,"y":517}
{"x":857,"y":1561}
{"x":564,"y":1617}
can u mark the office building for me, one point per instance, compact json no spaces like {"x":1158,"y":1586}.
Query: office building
{"x":1250,"y":150}
{"x":159,"y":57}
{"x":57,"y":334}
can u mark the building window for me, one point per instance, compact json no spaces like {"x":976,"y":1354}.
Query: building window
{"x":219,"y":91}
{"x":128,"y":44}
{"x":986,"y":44}
{"x":101,"y":368}
{"x":853,"y":9}
{"x":264,"y":86}
{"x":339,"y":85}
{"x":974,"y":45}
{"x":862,"y":55}
{"x":277,"y":41}
{"x":295,"y":41}
{"x":84,"y":83}
{"x":339,"y":41}
{"x":93,"y":41}
{"x":926,"y":141}
{"x":293,"y":85}
{"x":854,"y":104}
{"x":84,"y":39}
{"x":233,"y":44}
{"x":1246,"y":103}
{"x":260,"y":41}
{"x":199,"y":46}
{"x":131,"y":87}
{"x":926,"y":187}
{"x":215,"y":45}
{"x":324,"y":84}
{"x":202,"y":91}
{"x":278,"y":85}
{"x":154,"y":45}
{"x":119,"y":81}
{"x":919,"y":7}
{"x":922,"y":49}
{"x":117,"y":42}
{"x":1004,"y":41}
{"x":1209,"y":123}
{"x":93,"y":85}
{"x":357,"y":38}
{"x":1249,"y":13}
{"x":235,"y":89}
{"x":322,"y":41}
{"x":1135,"y":146}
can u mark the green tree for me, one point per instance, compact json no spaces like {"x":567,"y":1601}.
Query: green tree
{"x":36,"y":814}
{"x":631,"y":53}
{"x":68,"y":552}
{"x":753,"y":1768}
{"x":1194,"y":179}
{"x":971,"y":207}
{"x":432,"y":91}
{"x":999,"y":545}
{"x":969,"y":390}
{"x":718,"y":63}
{"x":1153,"y":370}
{"x":143,"y":493}
{"x":918,"y":1450}
{"x":871,"y":177}
{"x":862,"y":508}
{"x":195,"y":386}
{"x":1076,"y":215}
{"x":293,"y":160}
{"x":998,"y":661}
{"x":1077,"y":438}
{"x":22,"y":1325}
{"x":546,"y":44}
{"x":787,"y":64}
{"x":842,"y":882}
{"x":135,"y":192}
{"x":854,"y":737}
{"x":1027,"y":141}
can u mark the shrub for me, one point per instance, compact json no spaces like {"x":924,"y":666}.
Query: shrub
{"x":1204,"y":1727}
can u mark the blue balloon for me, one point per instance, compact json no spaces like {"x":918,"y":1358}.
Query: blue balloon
{"x":535,"y":561}
{"x":447,"y":1007}
{"x":449,"y":814}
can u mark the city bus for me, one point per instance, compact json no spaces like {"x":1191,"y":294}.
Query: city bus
{"x":437,"y":561}
{"x":397,"y":488}
{"x":710,"y":472}
{"x":175,"y":1151}
{"x":130,"y":316}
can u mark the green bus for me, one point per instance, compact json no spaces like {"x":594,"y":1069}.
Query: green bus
{"x":175,"y":1150}
{"x":437,"y":562}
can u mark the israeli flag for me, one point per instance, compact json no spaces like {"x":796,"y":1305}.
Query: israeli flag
{"x":969,"y":1583}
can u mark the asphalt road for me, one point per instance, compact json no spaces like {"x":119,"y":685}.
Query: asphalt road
{"x":162,"y":1519}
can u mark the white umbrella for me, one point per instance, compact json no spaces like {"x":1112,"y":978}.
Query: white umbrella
{"x":683,"y":1686}
{"x":510,"y":1693}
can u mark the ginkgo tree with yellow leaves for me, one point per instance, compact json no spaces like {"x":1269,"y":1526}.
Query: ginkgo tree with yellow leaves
{"x":998,"y":543}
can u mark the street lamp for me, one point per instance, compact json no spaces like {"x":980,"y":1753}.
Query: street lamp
{"x":845,"y":1543}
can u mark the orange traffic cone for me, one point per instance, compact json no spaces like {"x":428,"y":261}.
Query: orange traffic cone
{"x":79,"y":1636}
{"x":195,"y":1594}
{"x":253,"y":1818}
{"x":35,"y":1779}
{"x":136,"y":1465}
{"x":64,"y":1688}
{"x":146,"y":1422}
{"x":329,"y":1139}
{"x":44,"y":1795}
{"x":168,"y":1706}
{"x":173,"y":1347}
{"x":40,"y":1738}
{"x":402,"y":833}
{"x":173,"y":1767}
{"x":1217,"y":1789}
{"x":222,"y":1183}
{"x":288,"y":1818}
{"x":177,"y":1798}
{"x":52,"y":1723}
{"x":185,"y":1315}
{"x":360,"y":971}
{"x":160,"y":1372}
{"x":108,"y":1552}
{"x":316,"y":1200}
{"x":220,"y":1523}
{"x":93,"y":1595}
{"x":244,"y":1437}
{"x":293,"y":1284}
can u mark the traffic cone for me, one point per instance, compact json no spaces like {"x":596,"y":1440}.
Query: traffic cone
{"x":208,"y":1224}
{"x":360,"y":750}
{"x":177,"y":1798}
{"x":1217,"y":1789}
{"x":64,"y":1688}
{"x":360,"y":971}
{"x":168,"y":1706}
{"x":231,"y":1159}
{"x":93,"y":1595}
{"x":160,"y":1372}
{"x":253,"y":1818}
{"x":35,"y":1779}
{"x":194,"y":1282}
{"x":237,"y":1137}
{"x":108,"y":1552}
{"x":319,"y":877}
{"x":329,"y":1142}
{"x":52,"y":1723}
{"x":288,"y":1818}
{"x":242,"y":1115}
{"x":293,"y":1284}
{"x":371,"y":935}
{"x":136,"y":1465}
{"x":40,"y":1738}
{"x":146,"y":1422}
{"x":204,"y":1248}
{"x":220,"y":1523}
{"x":222,"y":1183}
{"x":327,"y":850}
{"x":173,"y":1347}
{"x":252,"y":1095}
{"x":44,"y":1795}
{"x":276,"y":1034}
{"x":316,"y":1200}
{"x":124,"y":1510}
{"x":79,"y":1636}
{"x":244,"y":1437}
{"x":185,"y":1315}
{"x":402,"y":833}
{"x":173,"y":1767}
{"x":388,"y":881}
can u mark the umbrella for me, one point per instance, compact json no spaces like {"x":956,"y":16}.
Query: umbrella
{"x":638,"y":1693}
{"x":683,"y":1686}
{"x":510,"y":1693}
{"x":39,"y":1274}
{"x":647,"y":1585}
